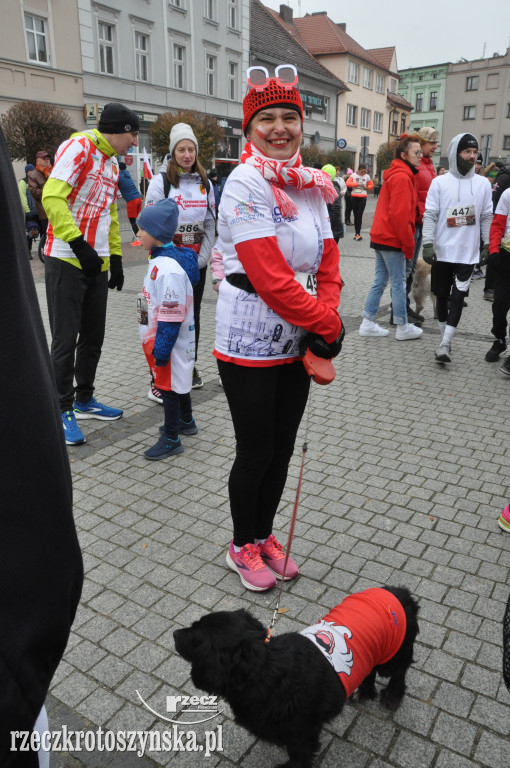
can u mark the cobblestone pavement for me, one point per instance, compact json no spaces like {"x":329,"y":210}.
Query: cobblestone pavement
{"x":405,"y":477}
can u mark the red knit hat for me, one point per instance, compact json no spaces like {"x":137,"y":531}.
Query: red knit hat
{"x":273,"y":95}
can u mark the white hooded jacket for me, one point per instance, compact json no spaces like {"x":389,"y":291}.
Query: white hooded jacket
{"x":457,"y":209}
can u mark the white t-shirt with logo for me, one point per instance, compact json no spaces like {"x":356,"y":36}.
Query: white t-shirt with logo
{"x":246,"y":327}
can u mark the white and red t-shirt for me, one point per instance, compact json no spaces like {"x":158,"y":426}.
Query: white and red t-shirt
{"x":364,"y":631}
{"x":169,"y":296}
{"x":93,"y":176}
{"x":246,"y":327}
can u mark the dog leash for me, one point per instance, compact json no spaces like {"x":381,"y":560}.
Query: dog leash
{"x":322,"y":372}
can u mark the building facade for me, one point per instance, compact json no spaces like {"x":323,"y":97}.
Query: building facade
{"x":425,"y":89}
{"x":478,"y":102}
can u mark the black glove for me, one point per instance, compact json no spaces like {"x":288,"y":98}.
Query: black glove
{"x":429,"y":256}
{"x":116,"y":273}
{"x":91,"y":263}
{"x":321,"y":348}
{"x":484,"y":255}
{"x":495,"y":260}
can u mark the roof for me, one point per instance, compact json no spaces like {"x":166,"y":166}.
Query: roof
{"x":271,"y":39}
{"x":398,"y":101}
{"x":322,"y":36}
{"x":384,"y":55}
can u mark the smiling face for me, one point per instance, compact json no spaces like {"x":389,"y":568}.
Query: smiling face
{"x":185,"y":154}
{"x":276,"y":132}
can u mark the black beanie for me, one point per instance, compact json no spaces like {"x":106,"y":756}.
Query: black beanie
{"x":116,"y":118}
{"x":468,"y":141}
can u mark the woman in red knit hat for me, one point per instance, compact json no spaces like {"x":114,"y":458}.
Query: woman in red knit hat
{"x":282,"y":284}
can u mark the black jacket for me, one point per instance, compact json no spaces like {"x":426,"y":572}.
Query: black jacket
{"x":501,"y":183}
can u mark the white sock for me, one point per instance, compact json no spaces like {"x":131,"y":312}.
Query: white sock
{"x":448,"y":334}
{"x":442,"y":326}
{"x":236,"y":549}
{"x":260,"y":541}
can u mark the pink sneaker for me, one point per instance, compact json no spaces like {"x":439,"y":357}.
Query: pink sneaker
{"x":504,"y":519}
{"x":252,"y":571}
{"x":273,"y":556}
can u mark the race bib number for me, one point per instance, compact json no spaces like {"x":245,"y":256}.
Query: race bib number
{"x":189,"y":234}
{"x":142,"y":309}
{"x":308,"y":282}
{"x":460,"y":216}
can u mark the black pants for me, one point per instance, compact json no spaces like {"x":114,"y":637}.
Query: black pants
{"x":490,"y":277}
{"x":358,"y":206}
{"x":445,"y":278}
{"x":198,"y":292}
{"x":77,"y":313}
{"x":134,"y":226}
{"x":266,"y":405}
{"x":348,"y":207}
{"x":176,"y":406}
{"x":501,"y":303}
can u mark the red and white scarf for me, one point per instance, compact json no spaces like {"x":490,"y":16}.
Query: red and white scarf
{"x":288,"y":172}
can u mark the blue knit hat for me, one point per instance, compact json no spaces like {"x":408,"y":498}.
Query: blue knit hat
{"x":29,"y":167}
{"x":160,"y":219}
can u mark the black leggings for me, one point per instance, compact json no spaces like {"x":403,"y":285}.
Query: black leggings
{"x":449,"y":282}
{"x":266,"y":405}
{"x":176,"y":407}
{"x":358,"y":206}
{"x":198,"y":292}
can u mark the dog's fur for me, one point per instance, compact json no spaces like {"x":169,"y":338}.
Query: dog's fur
{"x":421,"y":286}
{"x":285,"y":690}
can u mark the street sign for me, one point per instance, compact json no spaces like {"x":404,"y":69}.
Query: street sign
{"x":341,"y":143}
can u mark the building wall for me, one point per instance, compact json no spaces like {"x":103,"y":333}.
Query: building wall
{"x":424,"y":82}
{"x":481,"y":106}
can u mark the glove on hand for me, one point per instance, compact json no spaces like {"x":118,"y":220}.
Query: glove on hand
{"x":321,"y":348}
{"x":484,"y":255}
{"x":116,"y":272}
{"x":91,"y":263}
{"x":495,"y":260}
{"x":429,"y":256}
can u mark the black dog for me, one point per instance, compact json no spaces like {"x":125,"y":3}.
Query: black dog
{"x":285,"y":690}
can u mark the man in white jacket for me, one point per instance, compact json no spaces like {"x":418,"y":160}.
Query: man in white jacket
{"x":457,"y":209}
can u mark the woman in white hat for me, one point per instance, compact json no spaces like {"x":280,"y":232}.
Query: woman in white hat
{"x":183,"y":179}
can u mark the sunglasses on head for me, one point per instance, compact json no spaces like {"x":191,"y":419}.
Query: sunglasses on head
{"x":285,"y":74}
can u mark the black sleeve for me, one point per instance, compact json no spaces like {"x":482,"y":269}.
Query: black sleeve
{"x":501,"y":183}
{"x":40,"y":560}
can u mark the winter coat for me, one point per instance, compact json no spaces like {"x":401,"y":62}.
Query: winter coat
{"x":36,"y":181}
{"x":335,"y":213}
{"x":395,"y":214}
{"x":127,"y":186}
{"x":426,"y":173}
{"x":501,"y":182}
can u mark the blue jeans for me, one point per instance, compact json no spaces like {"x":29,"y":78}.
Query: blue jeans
{"x":389,"y":265}
{"x":411,"y":263}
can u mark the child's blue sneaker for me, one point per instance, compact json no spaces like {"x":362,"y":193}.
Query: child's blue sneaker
{"x":163,"y":448}
{"x":184,"y":428}
{"x":72,"y":433}
{"x":95,"y":410}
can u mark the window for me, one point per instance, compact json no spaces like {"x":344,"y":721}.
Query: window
{"x":179,"y":64}
{"x":365,"y":118}
{"x":210,"y":10}
{"x":353,"y":72}
{"x":352,"y":115}
{"x":325,"y":114}
{"x":142,"y":56}
{"x":367,"y":78}
{"x":232,"y":80}
{"x":380,"y":82}
{"x":393,"y":85}
{"x":493,"y":81}
{"x":434,"y":76}
{"x":394,"y":123}
{"x":403,"y":123}
{"x":35,"y":30}
{"x":232,"y":14}
{"x":506,"y":142}
{"x":177,"y":3}
{"x":210,"y":74}
{"x":105,"y":34}
{"x":420,"y":77}
{"x":472,"y":83}
{"x":469,"y":113}
{"x":378,"y":122}
{"x":419,"y":102}
{"x":489,"y":111}
{"x":433,"y":101}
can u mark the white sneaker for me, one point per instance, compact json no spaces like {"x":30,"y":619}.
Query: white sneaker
{"x":408,"y":331}
{"x":443,"y":353}
{"x":369,"y":328}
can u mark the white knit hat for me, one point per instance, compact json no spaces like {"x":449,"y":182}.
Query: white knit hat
{"x":179,"y":132}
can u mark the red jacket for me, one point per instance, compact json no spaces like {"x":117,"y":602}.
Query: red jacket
{"x":396,"y":212}
{"x":426,"y":172}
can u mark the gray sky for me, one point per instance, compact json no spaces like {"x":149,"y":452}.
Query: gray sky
{"x":430,"y":32}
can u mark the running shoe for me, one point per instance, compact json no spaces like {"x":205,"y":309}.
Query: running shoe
{"x":95,"y":410}
{"x":247,"y":563}
{"x":197,"y":382}
{"x":136,"y":242}
{"x":184,"y":428}
{"x":163,"y":448}
{"x":155,"y":394}
{"x":72,"y":433}
{"x":504,"y":519}
{"x":272,"y":554}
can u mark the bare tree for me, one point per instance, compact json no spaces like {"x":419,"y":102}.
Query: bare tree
{"x":31,"y":126}
{"x":205,"y":127}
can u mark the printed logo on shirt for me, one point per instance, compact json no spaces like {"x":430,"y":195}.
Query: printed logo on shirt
{"x":460,"y":216}
{"x":330,"y":638}
{"x":154,"y":273}
{"x":278,"y":218}
{"x":245,"y":212}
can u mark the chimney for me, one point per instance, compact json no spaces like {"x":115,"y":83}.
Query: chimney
{"x":343,"y":27}
{"x":286,"y":14}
